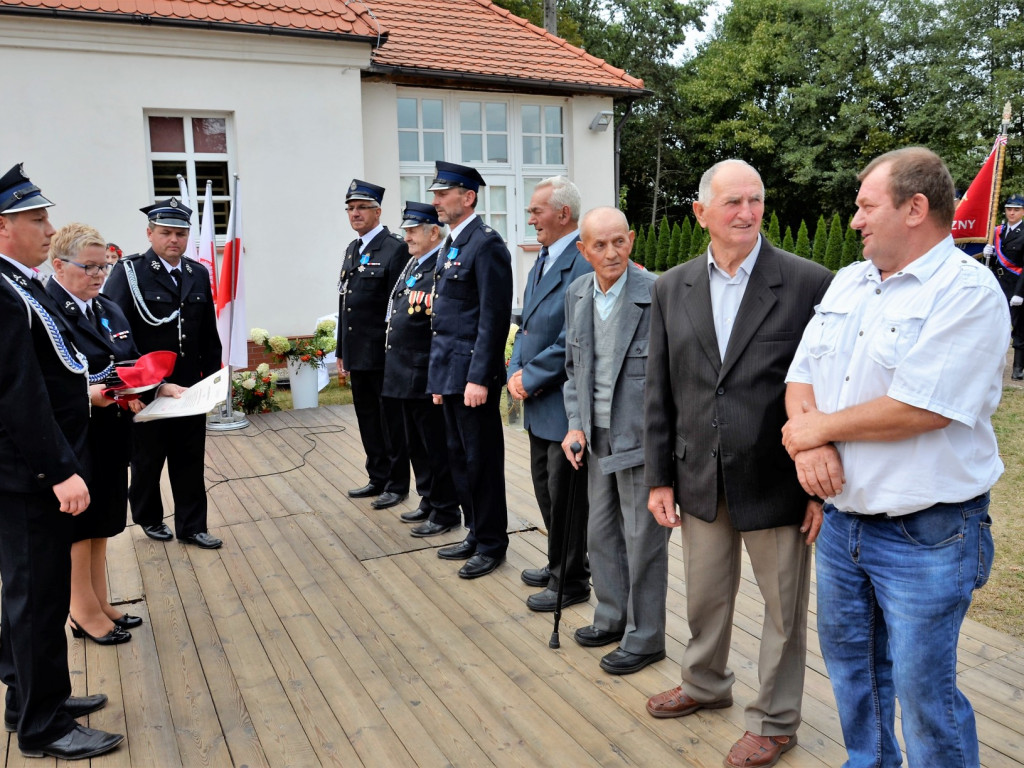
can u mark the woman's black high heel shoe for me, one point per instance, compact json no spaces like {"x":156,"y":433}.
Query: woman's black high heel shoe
{"x":124,"y":621}
{"x":116,"y":636}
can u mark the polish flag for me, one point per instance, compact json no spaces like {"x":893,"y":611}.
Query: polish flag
{"x":193,"y":233}
{"x":231,"y":292}
{"x":207,"y":247}
{"x":978,"y":210}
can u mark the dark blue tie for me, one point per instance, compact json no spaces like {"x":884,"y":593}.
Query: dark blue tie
{"x":542,"y":258}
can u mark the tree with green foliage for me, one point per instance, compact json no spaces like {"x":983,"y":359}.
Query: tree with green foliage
{"x":639,"y":245}
{"x":802,"y":247}
{"x":684,"y":241}
{"x":820,"y":241}
{"x":787,"y":240}
{"x":834,"y":249}
{"x":664,"y":245}
{"x":674,"y":254}
{"x":700,"y":242}
{"x":851,"y":246}
{"x":773,"y":230}
{"x":651,"y":249}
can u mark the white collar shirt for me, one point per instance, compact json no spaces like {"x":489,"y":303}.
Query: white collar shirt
{"x":557,"y":248}
{"x":604,"y":303}
{"x":933,"y":335}
{"x":28,"y":272}
{"x":457,"y":230}
{"x":727,"y":294}
{"x":365,"y":240}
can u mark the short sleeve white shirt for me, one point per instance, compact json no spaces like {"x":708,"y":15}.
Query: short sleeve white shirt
{"x":934,"y":336}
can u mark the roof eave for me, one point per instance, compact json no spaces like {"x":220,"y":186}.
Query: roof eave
{"x":448,"y":78}
{"x":220,"y":26}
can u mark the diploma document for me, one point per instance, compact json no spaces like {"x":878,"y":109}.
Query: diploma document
{"x":202,"y":397}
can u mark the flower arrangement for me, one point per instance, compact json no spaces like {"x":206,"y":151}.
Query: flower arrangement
{"x":513,"y":329}
{"x":253,"y":391}
{"x":299,"y":352}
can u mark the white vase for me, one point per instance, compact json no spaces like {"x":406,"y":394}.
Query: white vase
{"x":303,"y":380}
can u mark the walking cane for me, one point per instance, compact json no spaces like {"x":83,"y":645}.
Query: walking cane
{"x":576,"y":448}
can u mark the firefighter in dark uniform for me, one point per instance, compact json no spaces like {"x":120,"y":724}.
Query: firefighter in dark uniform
{"x":1008,"y":251}
{"x":169,"y":304}
{"x":44,"y":418}
{"x":471,"y":313}
{"x":373,"y":262}
{"x":405,"y":374}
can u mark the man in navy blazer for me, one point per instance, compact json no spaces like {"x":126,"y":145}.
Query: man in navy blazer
{"x":536,"y":375}
{"x":470,"y":318}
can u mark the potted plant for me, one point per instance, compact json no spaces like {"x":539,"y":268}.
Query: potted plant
{"x":253,"y":391}
{"x":303,"y":357}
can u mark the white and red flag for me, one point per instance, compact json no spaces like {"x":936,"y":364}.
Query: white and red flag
{"x":193,"y":233}
{"x":975,"y":217}
{"x":231,"y":291}
{"x":207,"y":245}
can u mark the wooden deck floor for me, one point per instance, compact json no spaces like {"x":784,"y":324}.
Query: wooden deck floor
{"x":323,"y":634}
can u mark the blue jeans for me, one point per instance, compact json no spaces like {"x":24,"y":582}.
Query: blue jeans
{"x":892,"y":594}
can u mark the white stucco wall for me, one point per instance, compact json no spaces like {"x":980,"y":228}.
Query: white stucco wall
{"x":592,"y":153}
{"x":77,"y":121}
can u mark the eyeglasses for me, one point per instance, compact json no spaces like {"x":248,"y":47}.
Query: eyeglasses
{"x":351,"y":208}
{"x":90,"y":269}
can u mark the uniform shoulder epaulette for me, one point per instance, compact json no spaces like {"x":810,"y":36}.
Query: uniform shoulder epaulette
{"x":133,"y":257}
{"x":397,"y":236}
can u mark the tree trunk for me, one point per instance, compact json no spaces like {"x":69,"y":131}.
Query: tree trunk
{"x":551,"y":16}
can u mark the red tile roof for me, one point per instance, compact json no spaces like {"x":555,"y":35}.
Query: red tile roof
{"x":468,"y":41}
{"x":477,"y":38}
{"x":330,"y":18}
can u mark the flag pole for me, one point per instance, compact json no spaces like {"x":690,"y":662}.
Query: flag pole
{"x":231,"y":309}
{"x":997,"y":179}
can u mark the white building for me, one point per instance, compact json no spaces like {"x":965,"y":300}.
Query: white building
{"x":107,"y":100}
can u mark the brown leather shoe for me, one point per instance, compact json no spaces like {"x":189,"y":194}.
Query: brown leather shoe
{"x":753,"y":751}
{"x":676,"y":703}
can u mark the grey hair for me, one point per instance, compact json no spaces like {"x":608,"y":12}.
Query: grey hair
{"x":564,"y":193}
{"x":704,"y":190}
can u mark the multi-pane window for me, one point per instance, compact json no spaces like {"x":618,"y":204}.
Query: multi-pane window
{"x":197,"y":148}
{"x":420,"y":130}
{"x":483,"y":131}
{"x":543,"y":135}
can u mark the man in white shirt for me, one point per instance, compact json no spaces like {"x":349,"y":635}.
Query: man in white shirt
{"x":890,"y":397}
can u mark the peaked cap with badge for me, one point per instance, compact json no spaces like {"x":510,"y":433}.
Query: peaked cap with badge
{"x":18,"y":193}
{"x":169,"y":213}
{"x":448,"y":175}
{"x":364,"y":190}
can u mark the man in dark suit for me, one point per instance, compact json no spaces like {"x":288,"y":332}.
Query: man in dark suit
{"x":405,"y":375}
{"x":373,"y":262}
{"x":723,"y":331}
{"x":169,"y":304}
{"x":44,"y":417}
{"x":536,"y":373}
{"x":607,"y":318}
{"x":471,"y":314}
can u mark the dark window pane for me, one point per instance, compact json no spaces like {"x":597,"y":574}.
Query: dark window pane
{"x":220,"y":217}
{"x":166,"y":134}
{"x":165,"y":177}
{"x":209,"y":134}
{"x":217,"y":172}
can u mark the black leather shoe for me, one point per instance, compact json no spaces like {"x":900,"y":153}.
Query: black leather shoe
{"x":461,"y":551}
{"x":418,"y":515}
{"x":116,"y":636}
{"x":388,"y":499}
{"x":76,"y":706}
{"x":592,"y":637}
{"x":124,"y":621}
{"x":159,"y":532}
{"x":367,"y":490}
{"x":536,"y":577}
{"x":430,"y":528}
{"x":546,"y":601}
{"x":479,"y":565}
{"x":79,"y":743}
{"x":203,"y":540}
{"x":1018,"y":374}
{"x":620,"y":662}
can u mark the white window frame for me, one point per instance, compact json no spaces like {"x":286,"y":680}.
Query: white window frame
{"x":189,"y":157}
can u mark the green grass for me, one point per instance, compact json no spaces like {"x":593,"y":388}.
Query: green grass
{"x":1000,"y":604}
{"x":332,"y":394}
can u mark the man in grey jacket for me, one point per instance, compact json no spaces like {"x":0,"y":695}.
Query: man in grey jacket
{"x":608,"y":317}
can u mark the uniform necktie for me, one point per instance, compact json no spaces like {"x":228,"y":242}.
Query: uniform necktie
{"x":176,"y":274}
{"x":542,"y":258}
{"x":92,"y":317}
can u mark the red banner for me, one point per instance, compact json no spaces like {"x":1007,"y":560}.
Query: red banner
{"x":974,"y":219}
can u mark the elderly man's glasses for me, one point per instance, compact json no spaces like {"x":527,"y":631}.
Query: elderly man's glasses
{"x":90,"y":269}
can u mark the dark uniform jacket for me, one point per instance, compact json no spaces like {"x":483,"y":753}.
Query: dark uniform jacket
{"x":702,"y":411}
{"x":408,"y":332}
{"x":363,"y":302}
{"x":1011,"y":243}
{"x":472,"y":311}
{"x":193,"y":334}
{"x":44,"y":407}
